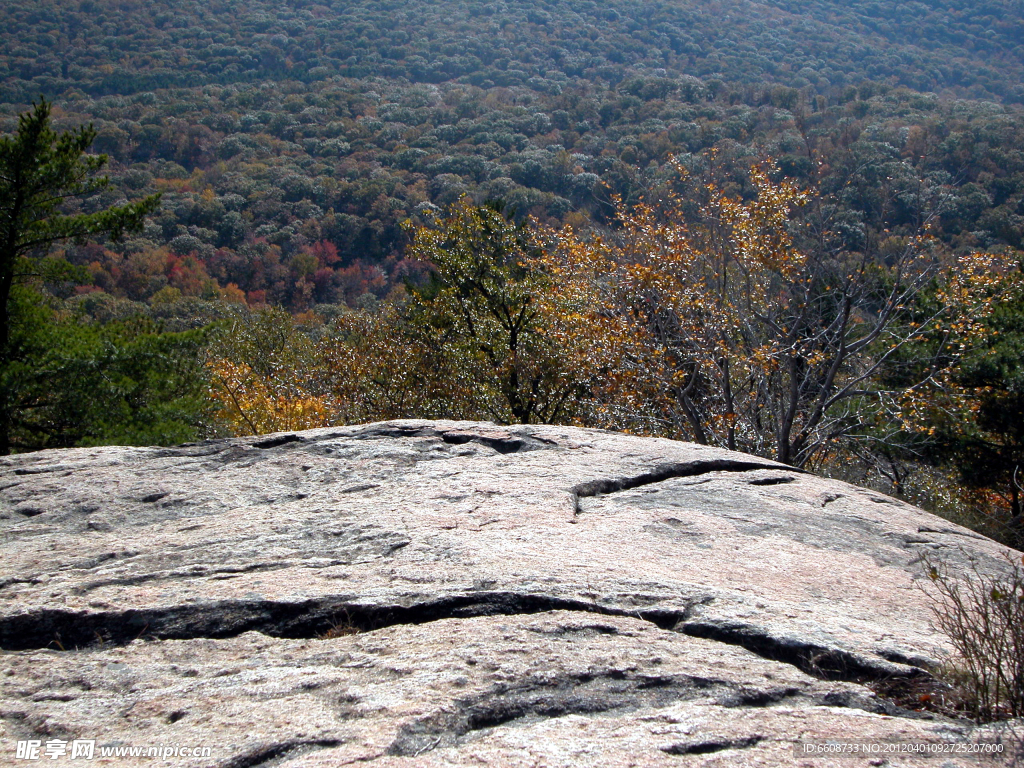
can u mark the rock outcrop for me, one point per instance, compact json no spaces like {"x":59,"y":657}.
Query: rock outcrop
{"x":452,"y":593}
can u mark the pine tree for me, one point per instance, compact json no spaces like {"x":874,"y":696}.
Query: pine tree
{"x":40,"y":172}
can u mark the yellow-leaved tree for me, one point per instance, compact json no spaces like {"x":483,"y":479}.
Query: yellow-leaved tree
{"x":720,"y":328}
{"x":268,"y":376}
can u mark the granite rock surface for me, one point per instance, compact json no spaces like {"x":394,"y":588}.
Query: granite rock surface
{"x":417,"y":593}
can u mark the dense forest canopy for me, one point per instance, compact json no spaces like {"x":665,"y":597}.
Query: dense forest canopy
{"x":127,"y":46}
{"x":291,"y":140}
{"x":302,"y":150}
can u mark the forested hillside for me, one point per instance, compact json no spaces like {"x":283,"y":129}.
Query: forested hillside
{"x":290,"y":141}
{"x":127,"y":46}
{"x":302,"y":150}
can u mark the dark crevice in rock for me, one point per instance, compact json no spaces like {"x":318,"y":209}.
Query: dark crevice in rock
{"x":588,"y":694}
{"x":812,"y":659}
{"x":94,"y":562}
{"x":267,"y":755}
{"x":510,"y":443}
{"x":66,"y":629}
{"x":906,"y":540}
{"x":588,"y":630}
{"x":70,"y":630}
{"x":395,"y":431}
{"x":883,"y":500}
{"x":773,"y":480}
{"x":714,"y":745}
{"x":850,"y":699}
{"x":664,"y":472}
{"x":195,"y":450}
{"x":53,"y":627}
{"x":359,"y":488}
{"x":898,"y":657}
{"x":759,"y":698}
{"x":274,"y":442}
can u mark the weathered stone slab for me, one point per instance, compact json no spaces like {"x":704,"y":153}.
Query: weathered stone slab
{"x":518,"y":596}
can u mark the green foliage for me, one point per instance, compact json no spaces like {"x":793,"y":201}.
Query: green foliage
{"x":481,"y":310}
{"x":268,"y":341}
{"x":963,"y":455}
{"x":275,"y":131}
{"x":969,"y":48}
{"x":268,"y":374}
{"x":70,"y":382}
{"x":989,"y":448}
{"x":40,"y":172}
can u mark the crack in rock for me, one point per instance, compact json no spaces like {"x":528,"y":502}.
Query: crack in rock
{"x":712,"y":745}
{"x":50,"y":627}
{"x":318,"y":618}
{"x":11,"y":581}
{"x":587,"y":694}
{"x":612,"y":691}
{"x":757,"y":698}
{"x":315,"y":618}
{"x":37,"y":470}
{"x":776,"y":480}
{"x":672,"y":471}
{"x":501,"y":442}
{"x":272,"y":752}
{"x":815,"y":660}
{"x":29,"y":510}
{"x":275,"y":442}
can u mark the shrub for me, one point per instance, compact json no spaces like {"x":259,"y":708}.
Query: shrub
{"x":983,"y":616}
